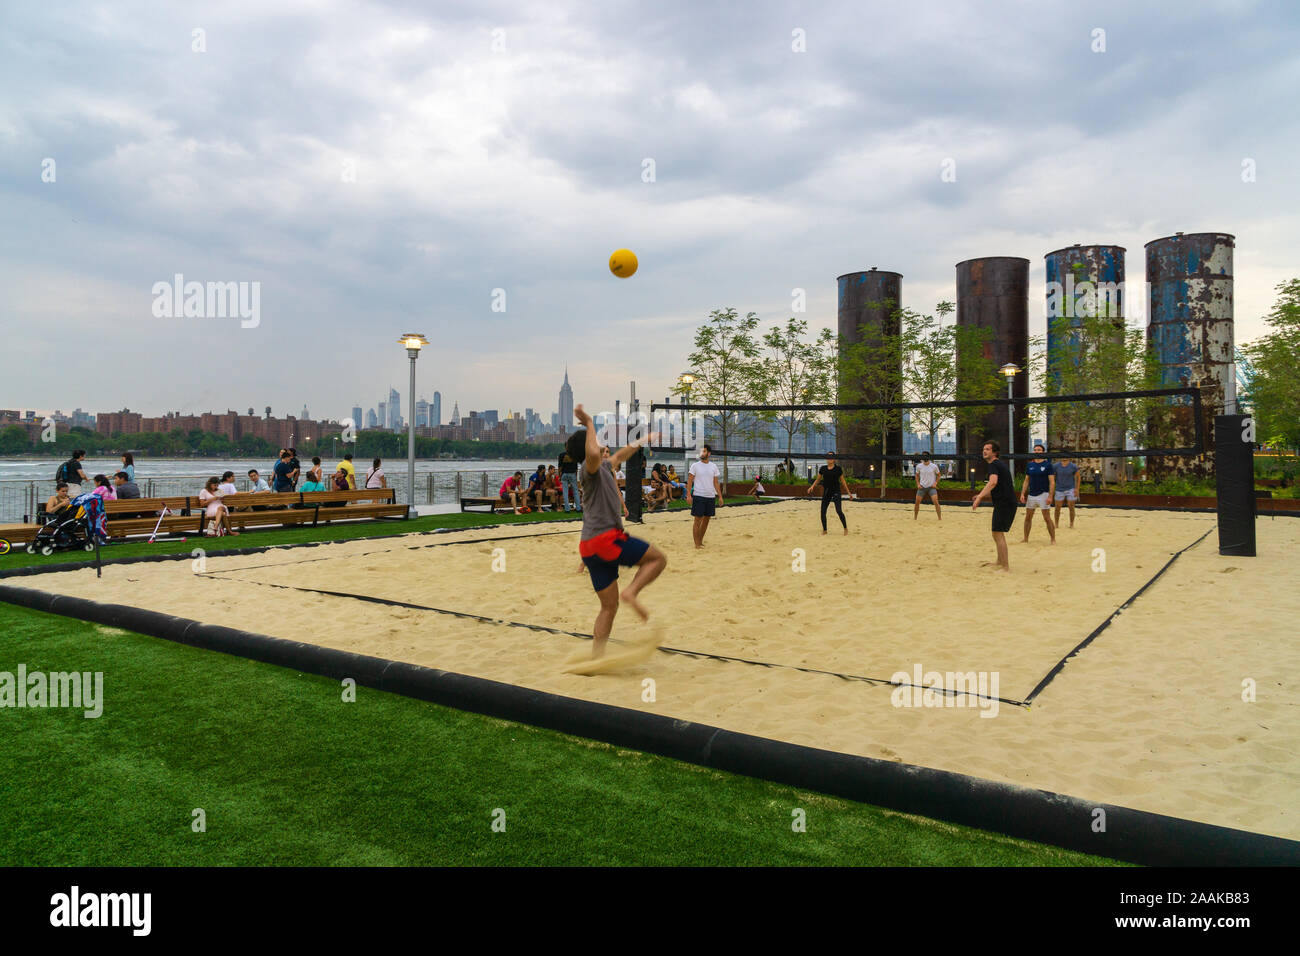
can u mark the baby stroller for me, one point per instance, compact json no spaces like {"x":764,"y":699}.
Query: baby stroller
{"x":72,"y":528}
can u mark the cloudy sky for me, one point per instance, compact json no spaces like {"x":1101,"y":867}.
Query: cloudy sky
{"x":385,"y":167}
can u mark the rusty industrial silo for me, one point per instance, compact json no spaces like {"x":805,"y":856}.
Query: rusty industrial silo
{"x":868,"y":303}
{"x":1190,"y":328}
{"x":1084,"y":281}
{"x":993,"y":294}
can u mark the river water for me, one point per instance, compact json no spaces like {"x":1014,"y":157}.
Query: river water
{"x":27,"y":482}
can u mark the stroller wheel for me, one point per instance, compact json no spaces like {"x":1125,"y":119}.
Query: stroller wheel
{"x":47,"y":549}
{"x":90,"y":546}
{"x":31,"y":549}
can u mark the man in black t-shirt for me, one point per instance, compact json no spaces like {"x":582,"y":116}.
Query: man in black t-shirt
{"x":70,"y":473}
{"x":831,"y":477}
{"x":1003,"y":495}
{"x":635,"y":472}
{"x":568,"y":482}
{"x":284,"y":472}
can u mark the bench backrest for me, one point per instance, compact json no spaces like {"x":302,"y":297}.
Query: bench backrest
{"x":360,"y":494}
{"x":120,"y":505}
{"x":267,"y":499}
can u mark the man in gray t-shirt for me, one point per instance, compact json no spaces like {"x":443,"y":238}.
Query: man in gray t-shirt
{"x":1066,"y":487}
{"x":605,"y":545}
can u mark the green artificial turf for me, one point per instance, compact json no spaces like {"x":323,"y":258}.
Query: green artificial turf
{"x":267,"y":537}
{"x":288,"y":773}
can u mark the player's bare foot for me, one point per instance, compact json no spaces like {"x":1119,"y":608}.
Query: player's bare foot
{"x":630,"y":600}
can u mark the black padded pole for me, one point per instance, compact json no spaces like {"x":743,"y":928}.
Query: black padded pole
{"x":1234,"y":475}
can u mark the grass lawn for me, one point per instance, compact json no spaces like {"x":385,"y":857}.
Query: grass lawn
{"x":287,"y":773}
{"x":266,"y":537}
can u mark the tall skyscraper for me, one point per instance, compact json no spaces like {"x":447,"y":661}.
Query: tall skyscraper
{"x":566,"y":403}
{"x":455,"y":413}
{"x":372,"y":420}
{"x":436,"y":411}
{"x":356,"y":417}
{"x":421,"y":414}
{"x":383,"y":415}
{"x":394,"y":409}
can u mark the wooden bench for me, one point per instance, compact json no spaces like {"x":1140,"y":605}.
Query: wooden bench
{"x":358,"y":503}
{"x":127,"y":516}
{"x":250,"y":509}
{"x":489,"y":503}
{"x":18,"y":533}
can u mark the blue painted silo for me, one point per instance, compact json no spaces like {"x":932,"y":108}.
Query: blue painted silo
{"x":1083,"y":281}
{"x":1190,"y":328}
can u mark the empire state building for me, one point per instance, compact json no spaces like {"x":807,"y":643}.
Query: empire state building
{"x":566,"y":403}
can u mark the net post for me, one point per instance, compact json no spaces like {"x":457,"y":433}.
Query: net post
{"x":1234,"y":477}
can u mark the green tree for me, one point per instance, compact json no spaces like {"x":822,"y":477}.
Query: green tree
{"x":726,"y":364}
{"x":1274,"y":358}
{"x":795,"y":371}
{"x":930,"y":367}
{"x":14,"y":441}
{"x":871,"y":372}
{"x":1093,"y":353}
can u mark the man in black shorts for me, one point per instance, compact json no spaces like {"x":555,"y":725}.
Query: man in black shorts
{"x":604,"y":544}
{"x":831,"y":477}
{"x":999,"y":489}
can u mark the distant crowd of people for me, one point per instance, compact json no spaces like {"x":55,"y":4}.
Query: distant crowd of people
{"x":557,"y":487}
{"x":287,"y":477}
{"x":286,"y":474}
{"x":70,"y":481}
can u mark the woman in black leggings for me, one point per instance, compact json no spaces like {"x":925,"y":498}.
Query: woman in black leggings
{"x":831,"y":477}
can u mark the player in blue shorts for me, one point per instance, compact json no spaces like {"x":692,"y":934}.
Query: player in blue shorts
{"x":605,"y":546}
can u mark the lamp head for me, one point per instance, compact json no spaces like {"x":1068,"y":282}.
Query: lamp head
{"x":413,"y":341}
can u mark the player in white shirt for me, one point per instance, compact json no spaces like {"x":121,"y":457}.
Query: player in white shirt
{"x":703,"y":494}
{"x":927,"y":485}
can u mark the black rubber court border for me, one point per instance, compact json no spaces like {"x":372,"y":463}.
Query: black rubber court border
{"x":1042,"y":816}
{"x":1038,"y":815}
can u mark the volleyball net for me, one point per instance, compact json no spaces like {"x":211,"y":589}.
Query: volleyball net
{"x":1153,"y":423}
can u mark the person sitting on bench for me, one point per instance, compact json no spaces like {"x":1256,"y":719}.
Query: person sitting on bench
{"x":512,"y":491}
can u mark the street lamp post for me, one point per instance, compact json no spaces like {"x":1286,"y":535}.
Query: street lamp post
{"x":413,"y":342}
{"x":1010,"y":370}
{"x":686,"y":380}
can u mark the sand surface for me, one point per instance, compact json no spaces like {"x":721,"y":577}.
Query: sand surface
{"x":1150,"y":715}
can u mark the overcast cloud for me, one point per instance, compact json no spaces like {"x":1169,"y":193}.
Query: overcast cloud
{"x":521,"y":169}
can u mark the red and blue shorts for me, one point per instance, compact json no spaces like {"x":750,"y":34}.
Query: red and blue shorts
{"x":606,"y":551}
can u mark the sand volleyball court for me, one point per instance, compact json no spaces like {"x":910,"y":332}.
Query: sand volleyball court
{"x":805,"y":631}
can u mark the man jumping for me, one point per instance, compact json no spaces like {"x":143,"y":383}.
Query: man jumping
{"x":605,"y":545}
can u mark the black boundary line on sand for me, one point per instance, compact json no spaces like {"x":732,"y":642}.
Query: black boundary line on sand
{"x":1060,"y":665}
{"x":876,"y":681}
{"x":1037,"y":815}
{"x":372,"y":599}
